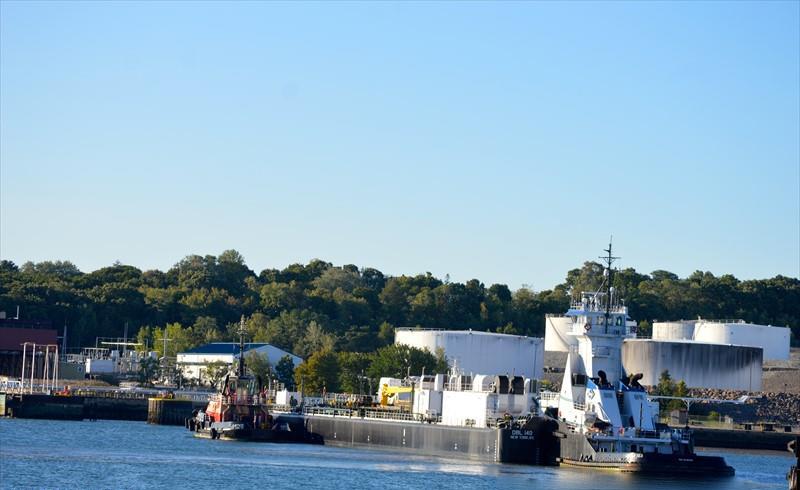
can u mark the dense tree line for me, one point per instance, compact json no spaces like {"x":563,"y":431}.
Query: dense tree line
{"x":307,"y":308}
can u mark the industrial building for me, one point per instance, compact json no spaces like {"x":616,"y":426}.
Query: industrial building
{"x":773,"y":340}
{"x":474,"y":352}
{"x":14,"y":333}
{"x":194,"y":362}
{"x":698,"y":364}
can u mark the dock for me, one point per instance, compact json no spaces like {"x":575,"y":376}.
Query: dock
{"x":87,"y":404}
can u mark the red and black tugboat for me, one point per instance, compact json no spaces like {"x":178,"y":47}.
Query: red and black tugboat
{"x":240,"y":411}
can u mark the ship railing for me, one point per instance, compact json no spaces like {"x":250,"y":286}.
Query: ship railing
{"x":549,"y":395}
{"x":678,"y":434}
{"x":337,"y":398}
{"x":648,"y":434}
{"x":387,"y":415}
{"x":330,"y":411}
{"x":372,"y":414}
{"x":720,"y":320}
{"x":196,"y":397}
{"x":283,"y":408}
{"x":458,"y":386}
{"x":245,"y":400}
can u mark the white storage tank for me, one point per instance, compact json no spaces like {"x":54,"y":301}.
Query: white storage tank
{"x":698,"y":364}
{"x":555,"y":334}
{"x":100,"y":366}
{"x":480,"y":352}
{"x":679,"y":330}
{"x":773,"y":340}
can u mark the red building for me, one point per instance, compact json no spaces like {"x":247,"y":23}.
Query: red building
{"x":14,"y":333}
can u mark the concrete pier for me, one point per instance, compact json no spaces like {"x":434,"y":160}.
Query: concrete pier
{"x":39,"y":406}
{"x":115,"y":408}
{"x":742,"y":439}
{"x":105,"y":407}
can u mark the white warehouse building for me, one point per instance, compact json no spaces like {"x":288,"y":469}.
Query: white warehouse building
{"x":194,"y":362}
{"x":774,"y":341}
{"x":474,"y":352}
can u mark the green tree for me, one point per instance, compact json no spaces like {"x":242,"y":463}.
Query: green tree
{"x":256,"y":327}
{"x":288,"y":329}
{"x":386,"y":333}
{"x":315,"y":339}
{"x":318,"y":373}
{"x":145,"y":339}
{"x":667,"y":387}
{"x":205,"y":330}
{"x":358,"y":308}
{"x":215,"y":371}
{"x":179,"y":339}
{"x":352,"y":371}
{"x":338,"y":278}
{"x":148,"y":368}
{"x":284,"y":371}
{"x":398,"y":360}
{"x":258,"y":365}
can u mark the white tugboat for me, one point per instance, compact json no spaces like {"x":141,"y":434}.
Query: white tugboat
{"x":605,"y":418}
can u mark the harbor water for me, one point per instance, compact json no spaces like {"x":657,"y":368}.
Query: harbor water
{"x":116,"y":454}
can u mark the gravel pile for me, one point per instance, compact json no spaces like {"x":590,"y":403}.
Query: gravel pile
{"x":781,"y":408}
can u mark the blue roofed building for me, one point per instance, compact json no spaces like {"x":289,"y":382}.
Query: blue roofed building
{"x":194,"y":363}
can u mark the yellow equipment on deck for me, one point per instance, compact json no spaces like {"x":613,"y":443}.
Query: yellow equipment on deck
{"x":396,"y":395}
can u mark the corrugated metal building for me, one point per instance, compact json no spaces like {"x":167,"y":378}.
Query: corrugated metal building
{"x":194,"y":362}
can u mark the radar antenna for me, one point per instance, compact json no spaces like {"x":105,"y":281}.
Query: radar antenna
{"x":609,"y":260}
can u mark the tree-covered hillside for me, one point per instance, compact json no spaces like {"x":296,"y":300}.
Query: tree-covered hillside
{"x":307,"y":308}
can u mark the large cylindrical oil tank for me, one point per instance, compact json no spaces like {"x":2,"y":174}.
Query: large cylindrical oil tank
{"x":555,"y":334}
{"x":774,"y":340}
{"x":474,"y":352}
{"x":680,"y":330}
{"x":698,"y":364}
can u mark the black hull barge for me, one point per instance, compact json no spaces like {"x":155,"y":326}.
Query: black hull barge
{"x":528,"y":442}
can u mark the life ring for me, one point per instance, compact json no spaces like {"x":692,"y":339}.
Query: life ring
{"x":587,"y":327}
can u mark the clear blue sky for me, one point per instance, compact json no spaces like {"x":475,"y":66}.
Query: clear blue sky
{"x":501,"y":141}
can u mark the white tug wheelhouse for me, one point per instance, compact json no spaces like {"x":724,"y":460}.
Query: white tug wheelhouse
{"x":595,"y":391}
{"x":606,"y":413}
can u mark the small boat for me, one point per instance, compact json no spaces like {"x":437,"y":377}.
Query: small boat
{"x":605,"y":418}
{"x":240,"y":411}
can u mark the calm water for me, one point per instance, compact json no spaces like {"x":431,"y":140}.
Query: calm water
{"x":108,"y":454}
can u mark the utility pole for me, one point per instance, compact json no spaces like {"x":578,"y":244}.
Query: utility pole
{"x":125,"y":340}
{"x":164,"y":358}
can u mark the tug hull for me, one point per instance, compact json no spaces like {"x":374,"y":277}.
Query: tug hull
{"x":576,"y":451}
{"x":285,"y":429}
